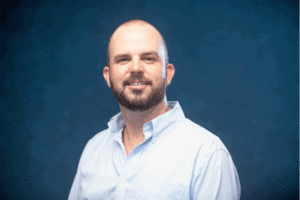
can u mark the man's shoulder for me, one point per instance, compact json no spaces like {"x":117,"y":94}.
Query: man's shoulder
{"x":197,"y":135}
{"x":102,"y":135}
{"x":97,"y":140}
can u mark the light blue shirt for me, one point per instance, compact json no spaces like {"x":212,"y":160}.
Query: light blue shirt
{"x":178,"y":159}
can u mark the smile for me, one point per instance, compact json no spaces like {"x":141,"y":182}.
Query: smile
{"x":136,"y":84}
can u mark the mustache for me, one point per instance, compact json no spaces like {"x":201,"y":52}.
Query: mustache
{"x":136,"y":77}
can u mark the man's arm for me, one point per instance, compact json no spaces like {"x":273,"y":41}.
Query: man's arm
{"x":215,"y":177}
{"x":76,"y":189}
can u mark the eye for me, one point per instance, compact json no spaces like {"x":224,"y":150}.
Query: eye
{"x":122,"y":60}
{"x":150,"y":59}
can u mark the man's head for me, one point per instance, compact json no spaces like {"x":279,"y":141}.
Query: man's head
{"x":140,"y":22}
{"x":138,"y":71}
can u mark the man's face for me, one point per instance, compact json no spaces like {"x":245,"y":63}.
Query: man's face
{"x":137,"y":74}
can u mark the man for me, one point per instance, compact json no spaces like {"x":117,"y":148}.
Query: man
{"x":150,"y":150}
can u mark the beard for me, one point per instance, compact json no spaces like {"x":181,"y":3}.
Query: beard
{"x":154,"y":98}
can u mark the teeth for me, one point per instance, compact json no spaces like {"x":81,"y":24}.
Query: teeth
{"x":136,"y":83}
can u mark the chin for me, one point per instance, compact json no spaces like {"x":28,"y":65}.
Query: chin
{"x":139,"y":100}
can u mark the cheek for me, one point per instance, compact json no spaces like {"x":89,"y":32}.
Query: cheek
{"x":158,"y":77}
{"x":117,"y":76}
{"x":156,"y":72}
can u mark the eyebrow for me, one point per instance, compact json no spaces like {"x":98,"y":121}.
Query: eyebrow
{"x":119,"y":56}
{"x":150,"y":53}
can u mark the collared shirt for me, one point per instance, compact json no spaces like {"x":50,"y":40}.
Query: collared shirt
{"x":178,"y":159}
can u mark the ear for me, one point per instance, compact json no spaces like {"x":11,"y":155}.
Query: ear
{"x":106,"y":75}
{"x":170,"y":73}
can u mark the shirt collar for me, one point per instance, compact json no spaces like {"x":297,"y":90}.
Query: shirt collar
{"x":168,"y":120}
{"x":158,"y":125}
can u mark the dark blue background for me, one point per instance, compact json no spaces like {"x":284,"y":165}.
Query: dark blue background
{"x":236,"y":75}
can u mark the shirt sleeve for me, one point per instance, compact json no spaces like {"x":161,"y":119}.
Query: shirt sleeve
{"x":215,"y":177}
{"x":76,"y":189}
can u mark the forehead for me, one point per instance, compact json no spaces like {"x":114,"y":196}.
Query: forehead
{"x":135,"y":39}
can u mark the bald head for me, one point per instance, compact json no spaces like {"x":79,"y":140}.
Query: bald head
{"x":137,"y":24}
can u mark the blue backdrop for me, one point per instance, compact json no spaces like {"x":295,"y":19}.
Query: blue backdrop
{"x":237,"y":75}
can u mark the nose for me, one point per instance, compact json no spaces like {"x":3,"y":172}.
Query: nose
{"x":137,"y":65}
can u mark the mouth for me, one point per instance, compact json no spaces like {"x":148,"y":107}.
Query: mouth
{"x":137,"y":85}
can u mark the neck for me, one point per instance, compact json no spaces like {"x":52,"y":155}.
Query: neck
{"x":135,"y":120}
